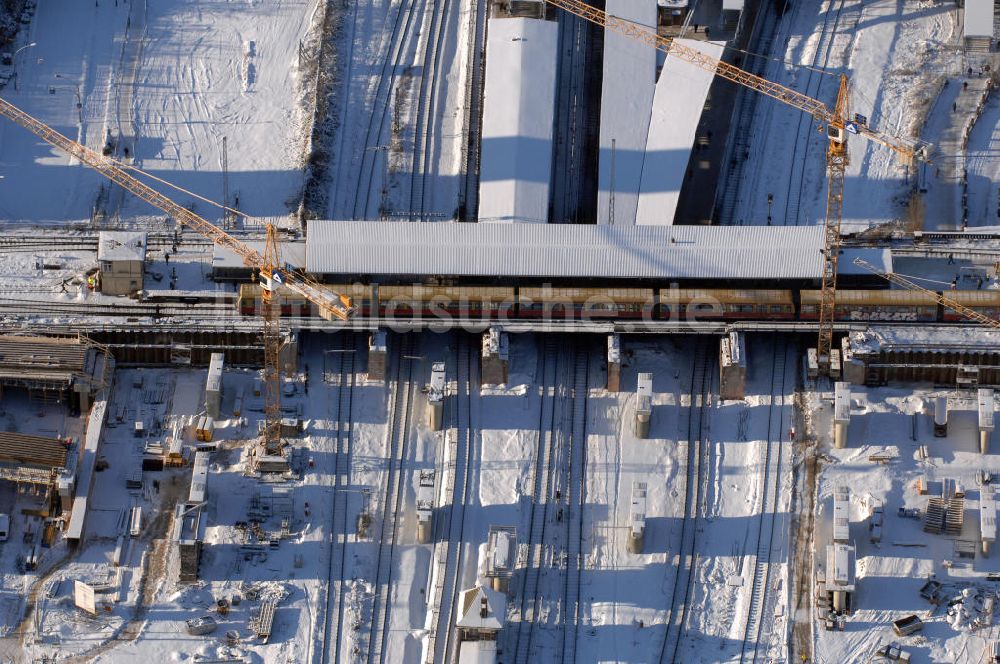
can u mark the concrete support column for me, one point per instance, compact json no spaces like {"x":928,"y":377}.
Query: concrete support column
{"x":986,"y":421}
{"x":376,"y":355}
{"x":841,"y":414}
{"x":495,"y":357}
{"x":614,"y":363}
{"x":644,"y":405}
{"x":435,"y":397}
{"x":732,"y":366}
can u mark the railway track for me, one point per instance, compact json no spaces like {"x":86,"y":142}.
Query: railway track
{"x":577,"y":490}
{"x":746,"y":103}
{"x":334,"y":617}
{"x":393,"y":63}
{"x":397,"y":437}
{"x":21,"y":307}
{"x":541,"y":501}
{"x":449,"y":551}
{"x":771,"y":453}
{"x":427,"y":101}
{"x":571,"y":101}
{"x":793,"y":205}
{"x":468,"y":196}
{"x":684,"y":576}
{"x":88,"y":242}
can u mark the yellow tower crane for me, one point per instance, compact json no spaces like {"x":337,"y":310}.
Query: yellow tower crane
{"x":837,"y":122}
{"x":273,"y":274}
{"x":903,"y":282}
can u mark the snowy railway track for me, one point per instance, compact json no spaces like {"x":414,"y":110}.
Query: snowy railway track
{"x":746,"y":103}
{"x":426,"y":105}
{"x":468,"y":202}
{"x":772,"y":452}
{"x":827,"y":37}
{"x":574,"y":43}
{"x":20,"y":308}
{"x":541,"y":501}
{"x":88,"y":242}
{"x":397,"y":437}
{"x":555,"y":532}
{"x":684,"y":576}
{"x":334,"y":616}
{"x":577,"y":490}
{"x":449,"y":551}
{"x":393,"y":63}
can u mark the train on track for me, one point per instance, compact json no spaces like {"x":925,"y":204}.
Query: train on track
{"x":704,"y":304}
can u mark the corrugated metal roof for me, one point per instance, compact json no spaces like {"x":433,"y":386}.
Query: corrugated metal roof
{"x":564,"y":250}
{"x":518,"y":106}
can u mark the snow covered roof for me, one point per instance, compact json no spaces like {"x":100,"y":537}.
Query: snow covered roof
{"x":841,"y":511}
{"x":292,"y":253}
{"x":880,"y":258}
{"x":518,"y":107}
{"x":882,"y":338}
{"x":840,"y":560}
{"x":199,"y":479}
{"x":564,"y":250}
{"x":978,"y":18}
{"x":471,"y":605}
{"x":677,"y":105}
{"x":121,"y":246}
{"x":626,"y":101}
{"x":478,"y":652}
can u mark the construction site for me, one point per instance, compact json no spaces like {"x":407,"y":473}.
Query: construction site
{"x":499,"y":331}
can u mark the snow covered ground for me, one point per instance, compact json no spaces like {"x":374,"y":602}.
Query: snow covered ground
{"x":210,"y":71}
{"x":393,"y":55}
{"x":163,"y":82}
{"x":983,"y":168}
{"x":897,"y":422}
{"x":74,"y":61}
{"x":895,"y":55}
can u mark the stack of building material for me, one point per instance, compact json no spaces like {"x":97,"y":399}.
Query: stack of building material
{"x":934,"y":515}
{"x":945,"y":516}
{"x":955,"y":516}
{"x":262,"y":622}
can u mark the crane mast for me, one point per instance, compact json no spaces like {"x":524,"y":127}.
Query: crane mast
{"x":836,"y":160}
{"x":268,"y":265}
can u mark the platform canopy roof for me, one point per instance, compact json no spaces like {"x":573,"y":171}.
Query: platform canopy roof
{"x":401,"y":249}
